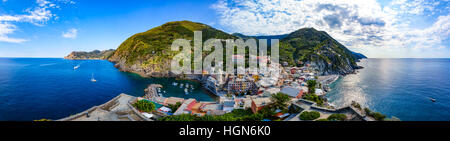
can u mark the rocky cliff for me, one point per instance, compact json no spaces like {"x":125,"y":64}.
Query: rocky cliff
{"x":319,"y":50}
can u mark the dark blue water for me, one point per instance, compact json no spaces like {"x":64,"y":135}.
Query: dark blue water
{"x":32,"y":88}
{"x":398,"y":87}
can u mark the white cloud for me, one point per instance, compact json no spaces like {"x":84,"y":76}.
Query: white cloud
{"x":356,"y":24}
{"x":72,"y":33}
{"x":37,"y":15}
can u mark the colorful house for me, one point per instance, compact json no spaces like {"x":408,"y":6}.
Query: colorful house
{"x":259,"y":103}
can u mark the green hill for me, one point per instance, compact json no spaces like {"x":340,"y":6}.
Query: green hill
{"x":320,"y":50}
{"x":148,"y":53}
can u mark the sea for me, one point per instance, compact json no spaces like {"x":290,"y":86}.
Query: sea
{"x":36,"y":88}
{"x":401,"y":88}
{"x":50,"y":88}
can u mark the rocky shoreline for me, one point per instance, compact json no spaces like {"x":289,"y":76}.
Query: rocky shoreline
{"x":93,"y":55}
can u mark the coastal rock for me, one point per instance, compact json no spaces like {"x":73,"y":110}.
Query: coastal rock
{"x":96,"y":54}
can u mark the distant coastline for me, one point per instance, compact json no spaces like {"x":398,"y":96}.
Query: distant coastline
{"x":93,"y":55}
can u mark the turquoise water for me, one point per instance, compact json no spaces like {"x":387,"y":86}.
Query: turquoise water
{"x":35,"y":88}
{"x":398,"y":87}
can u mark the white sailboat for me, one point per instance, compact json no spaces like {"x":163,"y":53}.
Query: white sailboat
{"x":93,"y":79}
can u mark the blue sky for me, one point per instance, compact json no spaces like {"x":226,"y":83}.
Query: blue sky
{"x":391,"y":29}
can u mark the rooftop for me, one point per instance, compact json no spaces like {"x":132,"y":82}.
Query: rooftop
{"x":292,"y":92}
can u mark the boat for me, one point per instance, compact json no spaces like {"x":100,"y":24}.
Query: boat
{"x":93,"y":79}
{"x":186,"y":91}
{"x":174,"y":83}
{"x":76,"y":67}
{"x":432,"y":99}
{"x":181,"y":85}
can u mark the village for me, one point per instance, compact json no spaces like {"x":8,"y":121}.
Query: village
{"x":295,"y":94}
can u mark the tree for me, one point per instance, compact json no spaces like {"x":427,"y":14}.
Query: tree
{"x":182,"y":117}
{"x":314,"y":98}
{"x":337,"y":117}
{"x":311,"y":86}
{"x":235,"y":115}
{"x":280,"y":101}
{"x":309,"y":115}
{"x":174,"y":107}
{"x":293,"y":109}
{"x":378,"y":116}
{"x":144,"y":105}
{"x":367,"y":111}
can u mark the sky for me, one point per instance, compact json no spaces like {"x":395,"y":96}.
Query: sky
{"x":376,"y":28}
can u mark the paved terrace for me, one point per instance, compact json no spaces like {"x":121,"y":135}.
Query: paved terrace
{"x":117,"y":109}
{"x":305,"y":105}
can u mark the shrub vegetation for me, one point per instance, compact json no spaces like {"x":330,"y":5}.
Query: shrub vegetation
{"x":174,"y":107}
{"x":280,"y":101}
{"x":337,"y":117}
{"x":312,"y":115}
{"x":144,"y":105}
{"x":376,"y":115}
{"x":235,"y":115}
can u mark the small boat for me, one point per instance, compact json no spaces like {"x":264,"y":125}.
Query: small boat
{"x":93,"y":79}
{"x":432,"y":99}
{"x":186,"y":91}
{"x":174,"y":83}
{"x":76,"y":67}
{"x":164,"y":91}
{"x":181,"y":85}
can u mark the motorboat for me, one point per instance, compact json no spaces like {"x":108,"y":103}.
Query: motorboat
{"x":76,"y":67}
{"x":432,"y":99}
{"x":93,"y":79}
